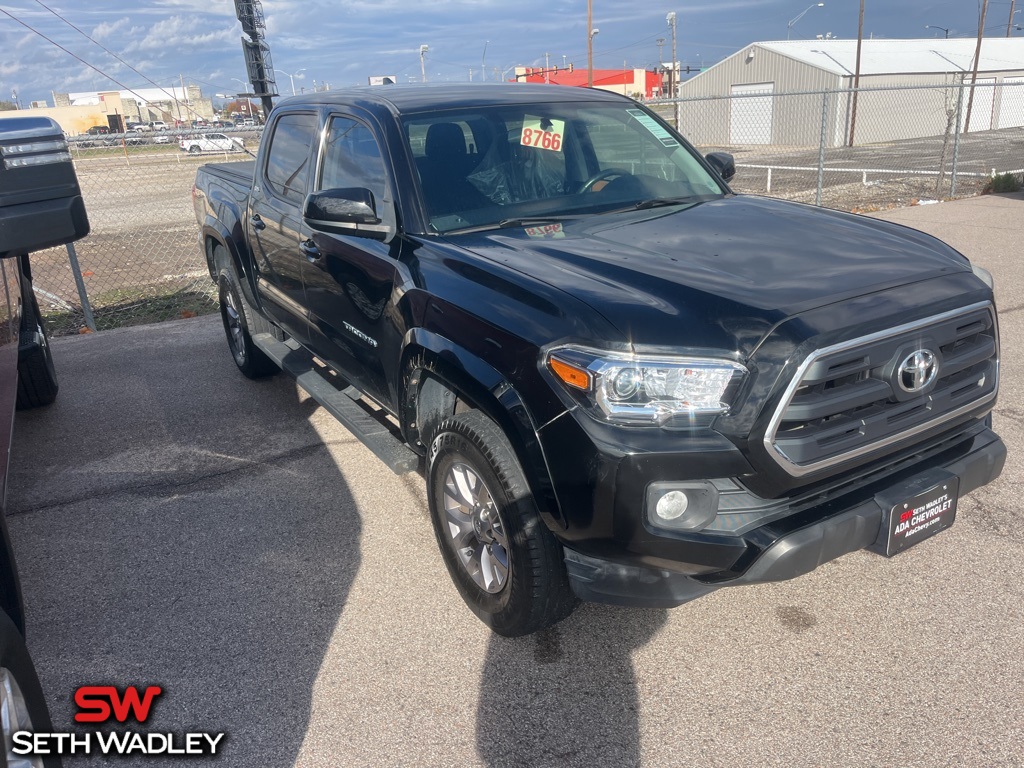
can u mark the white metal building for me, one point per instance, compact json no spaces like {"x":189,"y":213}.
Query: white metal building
{"x":747,"y":108}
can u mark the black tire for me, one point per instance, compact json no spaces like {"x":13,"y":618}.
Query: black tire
{"x":37,"y":378}
{"x":194,"y":149}
{"x":502,"y":522}
{"x":238,"y":318}
{"x":16,"y":664}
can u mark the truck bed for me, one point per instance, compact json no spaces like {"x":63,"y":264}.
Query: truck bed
{"x":239,"y":173}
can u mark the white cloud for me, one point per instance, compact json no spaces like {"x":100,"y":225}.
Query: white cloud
{"x":105,"y":30}
{"x":179,"y":35}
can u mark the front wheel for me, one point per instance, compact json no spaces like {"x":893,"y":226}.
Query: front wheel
{"x":194,"y":150}
{"x":505,"y":562}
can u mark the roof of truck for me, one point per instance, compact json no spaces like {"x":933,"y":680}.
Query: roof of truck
{"x":431,"y":96}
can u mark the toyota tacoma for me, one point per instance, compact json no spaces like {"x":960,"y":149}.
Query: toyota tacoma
{"x":622,"y":381}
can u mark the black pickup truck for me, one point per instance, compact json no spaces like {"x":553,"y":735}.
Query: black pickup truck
{"x":624,"y":382}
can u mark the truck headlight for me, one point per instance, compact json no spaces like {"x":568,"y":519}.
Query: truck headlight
{"x":984,"y":275}
{"x":647,"y":389}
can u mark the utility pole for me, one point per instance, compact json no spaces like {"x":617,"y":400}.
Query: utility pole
{"x":184,"y":96}
{"x":590,"y":43}
{"x":547,"y":68}
{"x":423,"y":66}
{"x":483,"y":63}
{"x":1009,"y":24}
{"x":670,"y":19}
{"x":660,"y":42}
{"x":977,"y":58}
{"x":856,"y":76}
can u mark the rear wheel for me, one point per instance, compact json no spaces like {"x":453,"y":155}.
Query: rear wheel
{"x":236,"y":315}
{"x":37,"y":378}
{"x":194,"y":149}
{"x":505,"y":562}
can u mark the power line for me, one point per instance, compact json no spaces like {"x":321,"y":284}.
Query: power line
{"x":133,"y":69}
{"x":69,"y":53}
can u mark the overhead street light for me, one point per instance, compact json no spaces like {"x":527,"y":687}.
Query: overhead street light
{"x":789,"y":26}
{"x":292,"y":76}
{"x":936,"y":26}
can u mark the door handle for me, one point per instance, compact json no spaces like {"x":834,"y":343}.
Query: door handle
{"x":313,"y":255}
{"x":257,"y":223}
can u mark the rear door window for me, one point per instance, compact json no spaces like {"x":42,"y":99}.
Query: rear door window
{"x":288,"y":159}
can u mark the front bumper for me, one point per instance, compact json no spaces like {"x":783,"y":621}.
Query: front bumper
{"x":852,"y":522}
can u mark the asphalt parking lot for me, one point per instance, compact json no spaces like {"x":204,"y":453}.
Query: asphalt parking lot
{"x":177,"y":524}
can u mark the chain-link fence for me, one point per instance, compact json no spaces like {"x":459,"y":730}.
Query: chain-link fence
{"x":867,"y":149}
{"x":877,"y":148}
{"x":141,"y":262}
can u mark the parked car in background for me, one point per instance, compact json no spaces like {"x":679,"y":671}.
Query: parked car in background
{"x":162,"y":138}
{"x":98,"y":130}
{"x":210,"y":142}
{"x":158,"y":125}
{"x":130,"y":138}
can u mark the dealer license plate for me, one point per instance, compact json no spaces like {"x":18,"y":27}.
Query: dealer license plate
{"x":918,"y":517}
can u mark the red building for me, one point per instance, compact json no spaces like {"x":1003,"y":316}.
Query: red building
{"x":638,"y":83}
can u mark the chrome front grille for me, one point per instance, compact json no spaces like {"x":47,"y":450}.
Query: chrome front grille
{"x":859,"y":396}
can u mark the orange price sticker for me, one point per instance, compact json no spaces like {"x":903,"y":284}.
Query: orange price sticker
{"x":543,"y":133}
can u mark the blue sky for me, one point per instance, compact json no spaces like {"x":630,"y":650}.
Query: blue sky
{"x":343,"y":42}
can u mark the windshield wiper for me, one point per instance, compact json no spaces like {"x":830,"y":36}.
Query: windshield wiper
{"x":658,"y":202}
{"x":525,"y":221}
{"x":529,"y":221}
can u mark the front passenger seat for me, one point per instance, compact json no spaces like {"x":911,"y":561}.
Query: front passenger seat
{"x":443,"y":171}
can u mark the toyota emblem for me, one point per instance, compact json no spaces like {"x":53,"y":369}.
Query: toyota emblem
{"x":917,"y":371}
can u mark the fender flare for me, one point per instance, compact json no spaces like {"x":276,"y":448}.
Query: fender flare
{"x":427,"y":354}
{"x":213,"y":232}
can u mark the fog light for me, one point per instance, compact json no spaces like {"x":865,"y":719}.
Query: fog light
{"x":672,"y":505}
{"x":685,"y":505}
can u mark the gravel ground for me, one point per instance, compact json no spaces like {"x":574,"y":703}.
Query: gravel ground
{"x":141,"y":261}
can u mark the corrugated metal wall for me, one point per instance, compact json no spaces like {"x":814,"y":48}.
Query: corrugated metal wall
{"x":792,"y":116}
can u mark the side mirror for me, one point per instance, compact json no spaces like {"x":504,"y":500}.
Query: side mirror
{"x":345,"y":211}
{"x":722,"y":162}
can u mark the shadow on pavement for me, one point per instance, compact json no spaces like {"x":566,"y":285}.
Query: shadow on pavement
{"x":158,"y":546}
{"x":566,"y":696}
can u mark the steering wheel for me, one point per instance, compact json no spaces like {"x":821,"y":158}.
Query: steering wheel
{"x":608,"y":173}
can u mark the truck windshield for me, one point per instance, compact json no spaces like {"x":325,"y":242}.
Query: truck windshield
{"x":492,"y":165}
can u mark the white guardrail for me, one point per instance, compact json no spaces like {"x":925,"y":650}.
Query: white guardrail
{"x":865,"y":171}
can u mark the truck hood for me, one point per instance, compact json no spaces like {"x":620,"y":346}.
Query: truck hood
{"x":724,"y":272}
